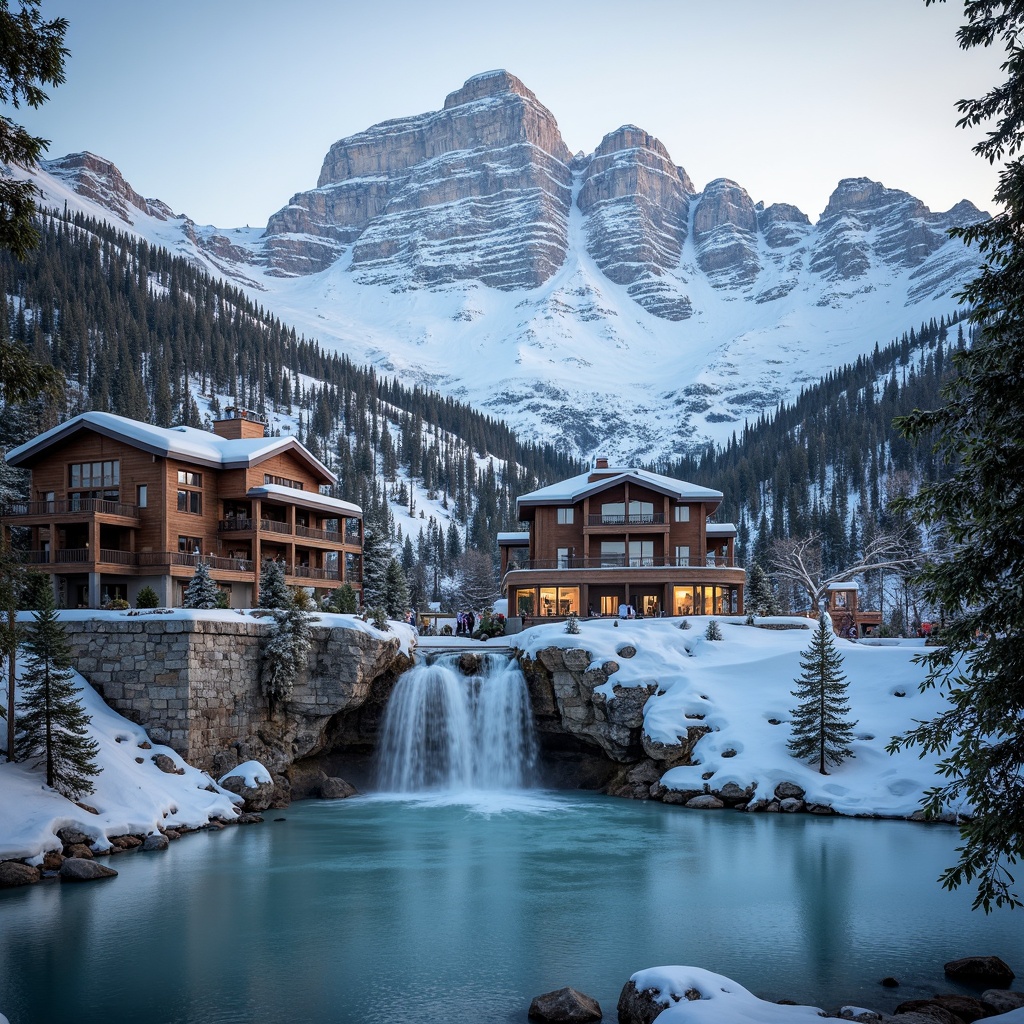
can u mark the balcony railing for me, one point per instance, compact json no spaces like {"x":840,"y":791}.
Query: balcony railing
{"x":273,"y":526}
{"x":624,"y":562}
{"x":632,"y":519}
{"x":236,"y":524}
{"x":74,"y":507}
{"x":311,"y":573}
{"x":314,"y":534}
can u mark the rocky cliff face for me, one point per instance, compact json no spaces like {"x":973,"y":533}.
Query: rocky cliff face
{"x":478,"y":190}
{"x":99,"y":180}
{"x":637,"y":204}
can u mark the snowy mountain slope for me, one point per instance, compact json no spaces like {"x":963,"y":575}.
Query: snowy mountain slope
{"x":599,"y":302}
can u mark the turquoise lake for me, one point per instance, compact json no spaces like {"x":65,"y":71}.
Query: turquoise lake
{"x":373,"y":909}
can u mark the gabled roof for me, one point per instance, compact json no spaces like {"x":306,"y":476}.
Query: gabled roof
{"x":199,"y":447}
{"x":577,"y":488}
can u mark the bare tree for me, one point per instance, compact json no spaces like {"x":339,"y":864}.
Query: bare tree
{"x":797,"y":561}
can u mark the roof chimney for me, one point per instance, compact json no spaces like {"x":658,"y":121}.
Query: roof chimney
{"x":239,"y":423}
{"x":601,"y":462}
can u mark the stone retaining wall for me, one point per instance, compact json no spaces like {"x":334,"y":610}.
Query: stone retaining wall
{"x":194,"y":684}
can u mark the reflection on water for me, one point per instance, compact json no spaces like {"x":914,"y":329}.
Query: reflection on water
{"x":442,"y":908}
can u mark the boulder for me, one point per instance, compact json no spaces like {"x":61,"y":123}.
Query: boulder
{"x":126,"y":842}
{"x":730,"y":793}
{"x":78,"y":850}
{"x":336,"y":789}
{"x":705,"y":802}
{"x":75,"y":869}
{"x":71,"y":836}
{"x":785,"y":790}
{"x":250,"y":819}
{"x":167,"y":765}
{"x":889,"y":982}
{"x":16,"y":872}
{"x":156,"y":841}
{"x":999,"y":1000}
{"x":929,"y":1009}
{"x":820,"y":809}
{"x":565,"y":1004}
{"x":980,"y":970}
{"x":255,"y":798}
{"x":638,"y":1006}
{"x":967,"y":1008}
{"x":52,"y":860}
{"x":791,"y":805}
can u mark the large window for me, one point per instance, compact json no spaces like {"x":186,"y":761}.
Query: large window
{"x":682,"y":554}
{"x":565,"y":516}
{"x":613,"y":513}
{"x":189,"y":545}
{"x":641,"y":511}
{"x":92,"y":475}
{"x":190,"y":501}
{"x":613,"y":552}
{"x":559,"y":600}
{"x":563,"y":558}
{"x":683,"y":601}
{"x":641,"y":552}
{"x":353,"y":567}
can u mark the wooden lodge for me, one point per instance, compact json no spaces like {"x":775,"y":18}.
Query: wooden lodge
{"x":619,"y":538}
{"x":117,"y":505}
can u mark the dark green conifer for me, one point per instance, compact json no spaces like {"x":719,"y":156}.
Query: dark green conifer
{"x":52,"y":724}
{"x":820,"y":731}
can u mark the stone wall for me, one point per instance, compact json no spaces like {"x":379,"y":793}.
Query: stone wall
{"x":194,"y":684}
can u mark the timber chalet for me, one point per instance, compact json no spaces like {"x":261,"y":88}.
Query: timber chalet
{"x":118,"y":505}
{"x":621,"y":537}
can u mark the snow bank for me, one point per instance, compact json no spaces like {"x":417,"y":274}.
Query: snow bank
{"x":740,"y":687}
{"x":131,"y":793}
{"x":693,"y":995}
{"x":252,"y":774}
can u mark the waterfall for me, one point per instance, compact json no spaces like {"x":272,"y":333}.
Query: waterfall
{"x":447,"y":731}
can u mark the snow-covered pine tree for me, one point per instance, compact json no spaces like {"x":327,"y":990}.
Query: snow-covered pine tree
{"x":274,"y":591}
{"x":714,"y":631}
{"x":343,"y":600}
{"x":376,"y":558}
{"x":283,"y":651}
{"x":201,"y":591}
{"x":572,"y":623}
{"x":51,"y":721}
{"x":820,"y":730}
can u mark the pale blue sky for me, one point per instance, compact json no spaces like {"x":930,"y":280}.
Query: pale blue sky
{"x":225,"y":108}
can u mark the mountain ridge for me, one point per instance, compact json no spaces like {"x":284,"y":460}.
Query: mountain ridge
{"x":598,"y":300}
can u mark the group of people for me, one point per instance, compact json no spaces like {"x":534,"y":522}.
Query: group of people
{"x":465,"y":623}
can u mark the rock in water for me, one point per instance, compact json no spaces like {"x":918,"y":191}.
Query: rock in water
{"x":156,"y":841}
{"x":74,"y":869}
{"x":15,"y":872}
{"x":638,"y":1007}
{"x":565,"y":1004}
{"x":336,"y":789}
{"x":980,"y":970}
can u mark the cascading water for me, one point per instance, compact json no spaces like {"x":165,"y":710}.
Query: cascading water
{"x":447,"y":731}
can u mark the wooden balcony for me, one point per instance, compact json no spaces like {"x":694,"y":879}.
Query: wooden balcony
{"x":623,"y":562}
{"x":631,"y":519}
{"x":76,"y":507}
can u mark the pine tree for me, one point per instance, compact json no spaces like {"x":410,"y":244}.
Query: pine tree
{"x":284,"y":650}
{"x":52,"y":723}
{"x":820,"y":732}
{"x":979,"y":431}
{"x":759,"y":598}
{"x":201,"y":591}
{"x":376,"y":558}
{"x":274,"y":591}
{"x":396,"y":590}
{"x":342,"y":600}
{"x":714,"y":631}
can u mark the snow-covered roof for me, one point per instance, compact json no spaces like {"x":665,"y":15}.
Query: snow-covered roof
{"x":721,"y":529}
{"x":514,"y":539}
{"x":313,"y":499}
{"x":848,"y":585}
{"x":578,"y":487}
{"x":186,"y":443}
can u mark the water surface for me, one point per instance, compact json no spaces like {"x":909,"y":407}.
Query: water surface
{"x":433,"y":911}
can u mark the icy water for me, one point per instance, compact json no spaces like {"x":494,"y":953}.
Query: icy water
{"x":371,"y":910}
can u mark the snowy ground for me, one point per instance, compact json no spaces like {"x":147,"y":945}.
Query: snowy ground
{"x":740,"y":684}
